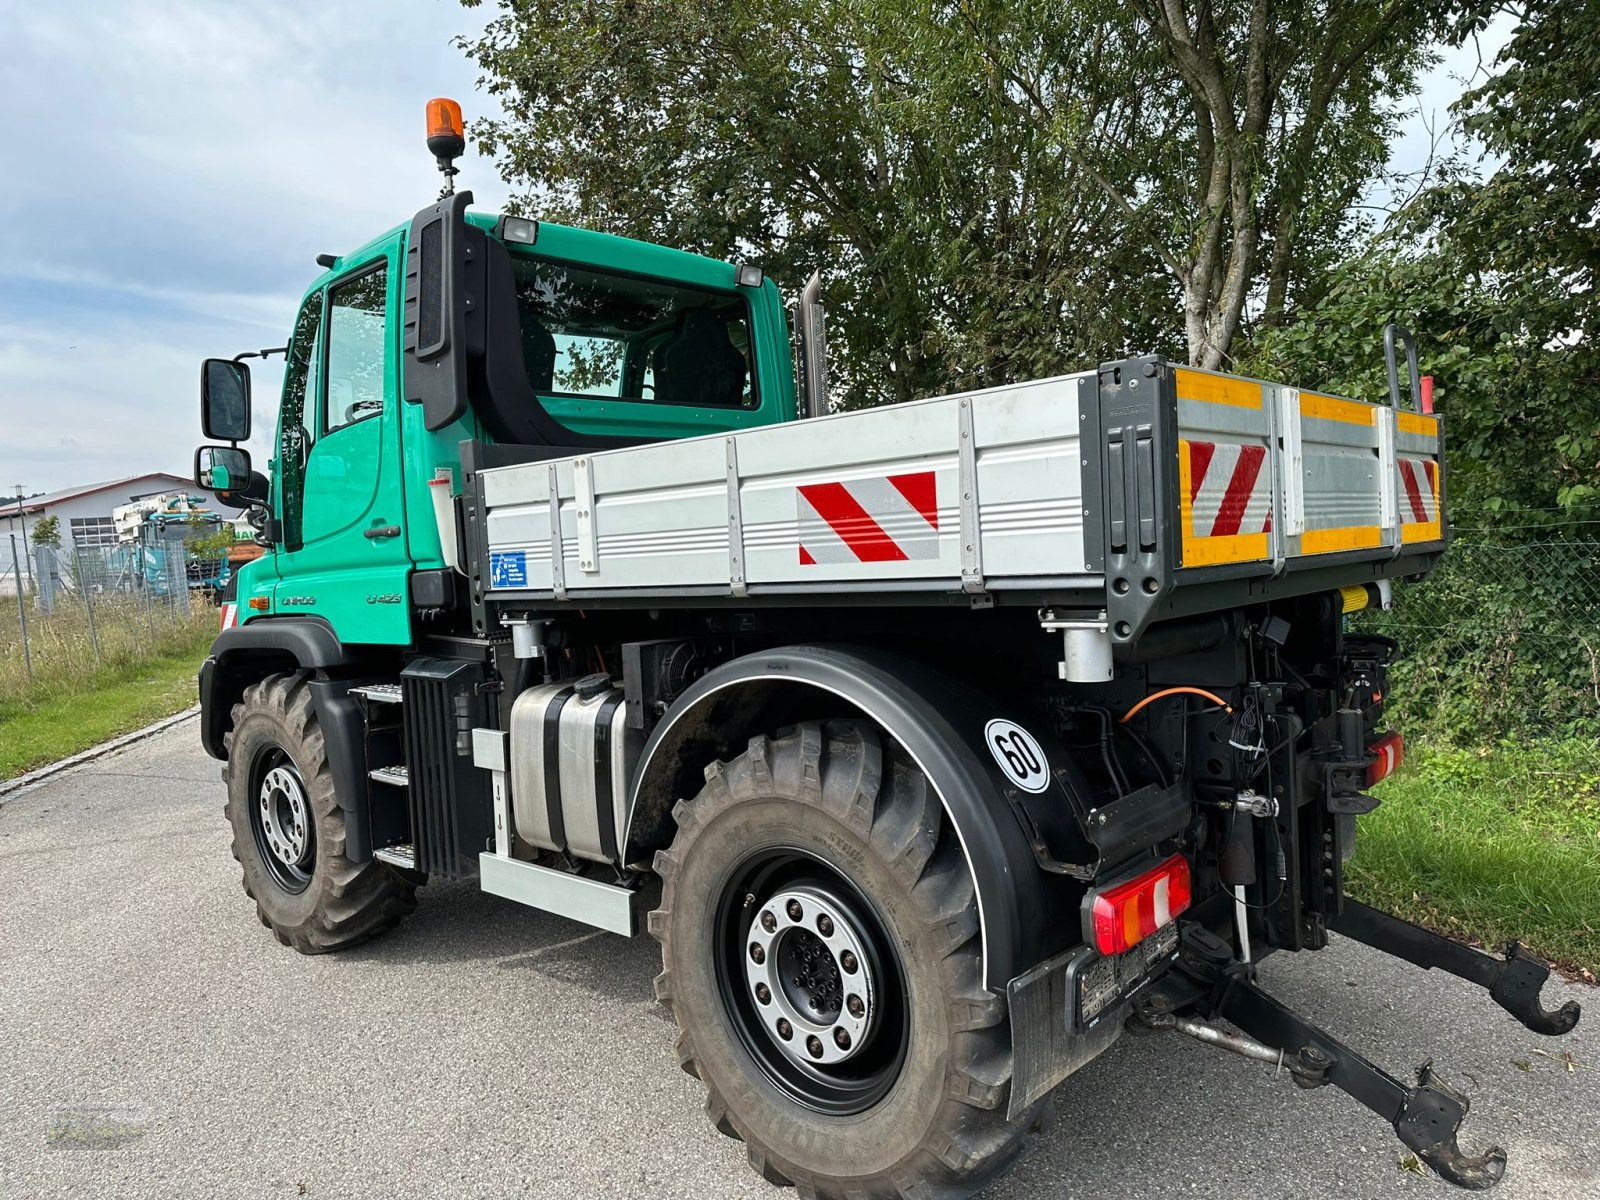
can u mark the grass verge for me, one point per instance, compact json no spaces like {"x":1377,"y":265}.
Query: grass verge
{"x":62,"y":720}
{"x":1491,"y":844}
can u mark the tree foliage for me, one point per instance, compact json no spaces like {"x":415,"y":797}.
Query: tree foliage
{"x":47,"y":532}
{"x":1497,"y":276}
{"x":995,"y":189}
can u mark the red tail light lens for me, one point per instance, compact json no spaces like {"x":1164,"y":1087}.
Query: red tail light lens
{"x":1391,"y":752}
{"x":1124,"y":915}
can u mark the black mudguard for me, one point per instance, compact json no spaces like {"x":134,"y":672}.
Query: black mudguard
{"x":1026,"y":910}
{"x":248,"y":653}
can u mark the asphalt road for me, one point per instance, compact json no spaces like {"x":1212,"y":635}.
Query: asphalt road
{"x":156,"y":1041}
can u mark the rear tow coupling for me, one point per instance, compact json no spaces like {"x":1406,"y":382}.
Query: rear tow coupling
{"x":1426,"y":1117}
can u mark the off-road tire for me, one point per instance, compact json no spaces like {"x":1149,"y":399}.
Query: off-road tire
{"x":857,"y":802}
{"x":343,"y":902}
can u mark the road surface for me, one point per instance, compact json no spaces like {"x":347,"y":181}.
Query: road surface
{"x":155,"y":1041}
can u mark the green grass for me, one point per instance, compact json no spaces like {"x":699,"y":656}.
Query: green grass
{"x":74,"y":699}
{"x":1491,"y":844}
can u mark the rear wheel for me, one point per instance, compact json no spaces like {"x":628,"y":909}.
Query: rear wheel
{"x":821,"y":957}
{"x":289,"y":831}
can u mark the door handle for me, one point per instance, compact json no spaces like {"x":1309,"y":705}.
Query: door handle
{"x":383,"y":531}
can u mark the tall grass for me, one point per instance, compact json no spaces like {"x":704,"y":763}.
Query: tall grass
{"x":130,"y":633}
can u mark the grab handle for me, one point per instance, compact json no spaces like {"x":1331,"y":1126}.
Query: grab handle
{"x":1391,"y":333}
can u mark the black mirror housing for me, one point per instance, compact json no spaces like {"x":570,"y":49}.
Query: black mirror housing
{"x":225,"y":400}
{"x":222,"y":469}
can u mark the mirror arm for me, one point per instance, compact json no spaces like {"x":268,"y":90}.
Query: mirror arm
{"x":244,"y":354}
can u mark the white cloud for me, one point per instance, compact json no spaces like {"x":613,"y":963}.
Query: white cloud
{"x":190,"y":159}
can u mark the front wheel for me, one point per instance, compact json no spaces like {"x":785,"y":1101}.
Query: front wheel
{"x":289,"y":830}
{"x":821,"y":957}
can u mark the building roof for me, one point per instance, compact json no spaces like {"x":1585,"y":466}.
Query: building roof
{"x":36,"y":504}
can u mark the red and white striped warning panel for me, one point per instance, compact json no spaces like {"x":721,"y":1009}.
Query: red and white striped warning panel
{"x":230,"y":615}
{"x":1419,"y":499}
{"x":889,"y":518}
{"x":1225,"y":502}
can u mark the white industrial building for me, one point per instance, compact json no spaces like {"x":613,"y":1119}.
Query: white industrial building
{"x":84,"y":514}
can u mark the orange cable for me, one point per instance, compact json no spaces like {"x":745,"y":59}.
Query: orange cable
{"x":1174,"y":691}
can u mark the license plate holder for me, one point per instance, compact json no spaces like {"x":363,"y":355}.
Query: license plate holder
{"x":1099,"y":984}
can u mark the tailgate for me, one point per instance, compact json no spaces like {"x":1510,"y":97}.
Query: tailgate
{"x":1279,"y":477}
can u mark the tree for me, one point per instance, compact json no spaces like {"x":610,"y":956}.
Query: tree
{"x":1002,"y":190}
{"x":47,"y":532}
{"x":1497,"y":276}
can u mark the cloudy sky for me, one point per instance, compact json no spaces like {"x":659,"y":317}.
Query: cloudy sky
{"x":173,"y":169}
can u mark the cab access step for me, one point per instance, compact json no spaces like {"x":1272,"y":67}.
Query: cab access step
{"x":1209,"y":983}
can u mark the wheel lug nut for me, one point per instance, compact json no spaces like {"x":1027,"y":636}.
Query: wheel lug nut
{"x":847,"y":960}
{"x":768,"y":922}
{"x":825,"y":925}
{"x":785,"y":1030}
{"x":841,"y":1038}
{"x":763,"y":993}
{"x":855,"y":1006}
{"x":814,"y":1045}
{"x":813,"y":1004}
{"x":757,"y":954}
{"x":794,"y":910}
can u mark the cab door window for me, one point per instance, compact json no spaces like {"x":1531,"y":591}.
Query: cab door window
{"x":294,"y":438}
{"x":354,"y":374}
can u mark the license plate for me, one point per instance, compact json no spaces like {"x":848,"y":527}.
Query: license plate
{"x":1102,"y":982}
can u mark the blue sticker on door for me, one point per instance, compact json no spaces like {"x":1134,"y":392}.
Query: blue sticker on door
{"x":508,"y":569}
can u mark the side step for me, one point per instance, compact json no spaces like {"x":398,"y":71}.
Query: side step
{"x":403,"y":855}
{"x":396,"y":776}
{"x":603,"y":905}
{"x":382,"y":693}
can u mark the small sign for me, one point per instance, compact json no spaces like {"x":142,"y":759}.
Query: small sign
{"x":508,"y":569}
{"x":1018,"y":754}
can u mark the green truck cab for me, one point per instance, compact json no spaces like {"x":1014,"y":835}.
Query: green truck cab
{"x":611,"y":340}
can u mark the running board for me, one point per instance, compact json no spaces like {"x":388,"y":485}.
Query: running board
{"x":602,"y":905}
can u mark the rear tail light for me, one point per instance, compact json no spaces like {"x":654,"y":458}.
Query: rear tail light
{"x":1390,"y":750}
{"x":1124,"y":915}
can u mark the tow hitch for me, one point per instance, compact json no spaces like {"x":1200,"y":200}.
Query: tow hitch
{"x":1210,"y":982}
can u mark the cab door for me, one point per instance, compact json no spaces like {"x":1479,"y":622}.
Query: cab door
{"x":344,"y":551}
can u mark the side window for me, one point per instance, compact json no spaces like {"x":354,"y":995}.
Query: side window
{"x":294,"y":439}
{"x":593,"y":335}
{"x":354,"y":388}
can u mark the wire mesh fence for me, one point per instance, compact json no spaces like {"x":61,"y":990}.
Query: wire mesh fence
{"x":67,"y":613}
{"x":1502,"y":643}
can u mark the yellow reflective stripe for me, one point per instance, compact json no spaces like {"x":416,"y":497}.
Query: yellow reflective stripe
{"x":1331,"y":408}
{"x":1217,"y":389}
{"x":1185,"y":498}
{"x":1212,"y":551}
{"x":1423,"y":423}
{"x":1351,"y":537}
{"x":1420,"y":531}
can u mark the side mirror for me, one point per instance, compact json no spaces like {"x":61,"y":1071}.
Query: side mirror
{"x":221,"y":468}
{"x":225,"y":400}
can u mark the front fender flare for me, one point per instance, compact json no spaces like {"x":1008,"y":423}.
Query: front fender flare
{"x":940,"y":721}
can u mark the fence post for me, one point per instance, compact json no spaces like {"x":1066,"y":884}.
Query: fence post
{"x":178,"y":567}
{"x":45,"y":578}
{"x":22,"y":609}
{"x":88,"y":604}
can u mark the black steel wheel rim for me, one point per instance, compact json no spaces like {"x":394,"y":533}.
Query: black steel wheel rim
{"x":281,"y":820}
{"x":837,"y":1089}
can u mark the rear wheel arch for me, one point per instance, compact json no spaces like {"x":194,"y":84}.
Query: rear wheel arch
{"x":936,"y":718}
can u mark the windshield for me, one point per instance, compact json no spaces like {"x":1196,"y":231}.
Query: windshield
{"x":617,"y":337}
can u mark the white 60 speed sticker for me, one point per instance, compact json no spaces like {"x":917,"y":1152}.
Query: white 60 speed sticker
{"x":1019,"y":756}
